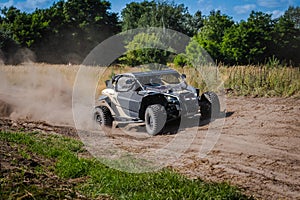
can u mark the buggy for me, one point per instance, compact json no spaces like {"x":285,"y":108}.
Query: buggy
{"x":154,"y":98}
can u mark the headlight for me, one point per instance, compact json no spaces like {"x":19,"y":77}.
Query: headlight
{"x":172,"y":99}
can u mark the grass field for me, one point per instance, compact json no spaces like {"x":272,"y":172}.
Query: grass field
{"x":36,"y":159}
{"x":253,"y":81}
{"x":262,"y":81}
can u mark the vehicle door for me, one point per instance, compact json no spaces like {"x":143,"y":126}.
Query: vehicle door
{"x":128,"y":99}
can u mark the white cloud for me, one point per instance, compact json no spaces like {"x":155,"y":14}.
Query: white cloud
{"x":244,"y":8}
{"x":205,"y":6}
{"x":28,"y":5}
{"x":273,"y":3}
{"x":7,"y":4}
{"x":276,"y":13}
{"x":32,"y":4}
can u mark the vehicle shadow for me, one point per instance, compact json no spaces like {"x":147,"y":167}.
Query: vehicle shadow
{"x":173,"y":127}
{"x":228,"y":114}
{"x":177,"y":125}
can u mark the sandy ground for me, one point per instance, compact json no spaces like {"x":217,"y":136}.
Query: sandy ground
{"x":258,"y":149}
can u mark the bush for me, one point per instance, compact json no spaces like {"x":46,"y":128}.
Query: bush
{"x":180,"y":60}
{"x":8,"y":48}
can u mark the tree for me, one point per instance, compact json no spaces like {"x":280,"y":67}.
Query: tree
{"x":133,"y":12}
{"x":293,"y":14}
{"x":14,"y":33}
{"x":232,"y":47}
{"x":160,"y":14}
{"x":146,"y":48}
{"x":76,"y":26}
{"x":65,"y":32}
{"x":193,"y":23}
{"x":156,"y":14}
{"x":8,"y":47}
{"x":25,"y":28}
{"x":286,"y":37}
{"x":249,"y":42}
{"x":211,"y":34}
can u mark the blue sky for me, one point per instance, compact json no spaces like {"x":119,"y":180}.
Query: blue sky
{"x":234,"y":8}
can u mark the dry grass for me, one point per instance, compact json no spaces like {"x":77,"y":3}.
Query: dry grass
{"x":255,"y":81}
{"x":262,"y":81}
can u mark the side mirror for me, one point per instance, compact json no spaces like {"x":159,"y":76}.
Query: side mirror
{"x":129,"y":81}
{"x":108,"y":83}
{"x":183,"y":76}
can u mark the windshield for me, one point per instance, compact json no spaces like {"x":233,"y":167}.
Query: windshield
{"x":160,"y":80}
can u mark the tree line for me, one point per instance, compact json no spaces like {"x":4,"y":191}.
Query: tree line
{"x":69,"y":30}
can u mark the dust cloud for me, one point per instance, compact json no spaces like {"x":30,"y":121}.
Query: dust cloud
{"x":39,"y":93}
{"x":15,"y":56}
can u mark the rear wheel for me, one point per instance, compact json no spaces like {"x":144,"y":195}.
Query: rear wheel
{"x":155,"y":118}
{"x":209,"y":105}
{"x":103,"y":116}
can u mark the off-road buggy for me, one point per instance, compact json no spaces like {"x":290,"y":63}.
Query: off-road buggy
{"x":153,"y":97}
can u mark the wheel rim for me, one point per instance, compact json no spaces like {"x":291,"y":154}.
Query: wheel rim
{"x":149,"y":121}
{"x":99,"y":119}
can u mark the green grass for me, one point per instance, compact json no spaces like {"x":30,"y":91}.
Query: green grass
{"x":102,"y":180}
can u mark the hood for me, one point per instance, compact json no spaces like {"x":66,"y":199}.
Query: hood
{"x":174,"y":90}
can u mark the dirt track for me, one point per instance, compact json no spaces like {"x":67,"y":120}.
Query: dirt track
{"x":258,"y":149}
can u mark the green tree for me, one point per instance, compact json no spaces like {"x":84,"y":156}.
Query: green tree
{"x":193,"y":23}
{"x":8,"y":47}
{"x":133,"y":12}
{"x":25,"y":28}
{"x":232,"y":47}
{"x":160,"y":14}
{"x":65,"y":32}
{"x":146,"y":48}
{"x":293,"y":14}
{"x":211,"y":34}
{"x":286,"y":37}
{"x":76,"y":26}
{"x":249,"y":42}
{"x":15,"y":32}
{"x":156,"y":14}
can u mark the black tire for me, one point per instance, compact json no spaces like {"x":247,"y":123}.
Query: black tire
{"x":209,"y":105}
{"x":103,"y":116}
{"x":155,"y":118}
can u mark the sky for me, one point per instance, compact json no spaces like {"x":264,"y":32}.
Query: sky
{"x":237,"y":9}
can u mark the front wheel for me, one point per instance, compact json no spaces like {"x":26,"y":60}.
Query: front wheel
{"x":209,"y":105}
{"x":155,"y":118}
{"x":103,"y":116}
